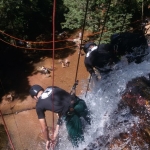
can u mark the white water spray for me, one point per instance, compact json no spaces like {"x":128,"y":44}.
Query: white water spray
{"x":103,"y":101}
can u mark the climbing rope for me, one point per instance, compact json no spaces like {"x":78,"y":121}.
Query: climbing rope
{"x":104,"y":22}
{"x":32,"y":43}
{"x":47,"y":42}
{"x":82,"y":33}
{"x":98,"y":44}
{"x":123,"y":23}
{"x":54,"y":12}
{"x":35,"y":48}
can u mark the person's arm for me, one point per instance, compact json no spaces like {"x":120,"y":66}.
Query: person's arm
{"x":54,"y":136}
{"x":89,"y":66}
{"x":45,"y":132}
{"x":44,"y":129}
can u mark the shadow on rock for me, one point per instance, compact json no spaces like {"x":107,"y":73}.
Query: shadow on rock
{"x":17,"y":64}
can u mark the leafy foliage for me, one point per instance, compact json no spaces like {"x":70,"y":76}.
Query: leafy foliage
{"x":28,"y":19}
{"x":99,"y":18}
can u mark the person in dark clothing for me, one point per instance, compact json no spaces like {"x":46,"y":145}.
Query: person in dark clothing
{"x":69,"y":108}
{"x":103,"y":57}
{"x":97,"y":57}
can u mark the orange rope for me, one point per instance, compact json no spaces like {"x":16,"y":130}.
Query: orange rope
{"x":28,"y":41}
{"x":54,"y":12}
{"x":50,"y":48}
{"x":53,"y":35}
{"x":36,"y":48}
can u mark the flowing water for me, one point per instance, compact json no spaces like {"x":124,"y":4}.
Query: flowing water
{"x":102,"y":101}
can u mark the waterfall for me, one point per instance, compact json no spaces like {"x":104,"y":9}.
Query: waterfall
{"x":102,"y":101}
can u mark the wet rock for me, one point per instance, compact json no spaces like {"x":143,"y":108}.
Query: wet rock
{"x":121,"y":133}
{"x":137,"y":97}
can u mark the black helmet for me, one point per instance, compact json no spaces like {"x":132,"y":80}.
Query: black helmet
{"x":35,"y":89}
{"x":87,"y":45}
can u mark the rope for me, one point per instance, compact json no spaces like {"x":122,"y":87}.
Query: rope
{"x":124,"y":19}
{"x":50,"y":48}
{"x":104,"y":22}
{"x":28,"y":41}
{"x":34,"y":42}
{"x":54,"y":12}
{"x":99,"y":42}
{"x":35,"y":48}
{"x":87,"y":2}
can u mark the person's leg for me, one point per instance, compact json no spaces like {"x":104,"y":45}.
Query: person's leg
{"x":82,"y":110}
{"x":74,"y":128}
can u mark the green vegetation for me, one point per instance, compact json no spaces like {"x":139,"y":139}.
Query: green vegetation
{"x":107,"y":16}
{"x":28,"y":19}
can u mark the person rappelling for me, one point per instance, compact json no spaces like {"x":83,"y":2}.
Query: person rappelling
{"x":104,"y":57}
{"x":69,"y":108}
{"x":96,"y":57}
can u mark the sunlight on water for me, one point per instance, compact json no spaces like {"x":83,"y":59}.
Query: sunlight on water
{"x":102,"y":102}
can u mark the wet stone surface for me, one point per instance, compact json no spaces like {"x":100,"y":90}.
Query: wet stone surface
{"x":121,"y":133}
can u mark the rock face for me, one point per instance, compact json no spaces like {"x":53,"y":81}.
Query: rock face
{"x":3,"y":139}
{"x":134,"y":135}
{"x":137,"y":97}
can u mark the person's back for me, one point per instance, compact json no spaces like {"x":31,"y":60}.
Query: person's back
{"x":69,"y":107}
{"x":98,"y":58}
{"x":54,"y":99}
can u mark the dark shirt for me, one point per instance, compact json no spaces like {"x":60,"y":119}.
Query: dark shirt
{"x":53,"y":99}
{"x":96,"y":59}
